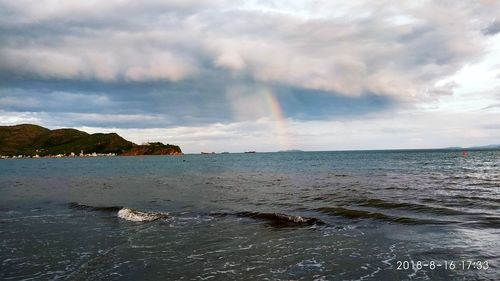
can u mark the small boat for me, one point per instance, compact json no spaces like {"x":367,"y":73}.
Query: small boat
{"x":250,"y":152}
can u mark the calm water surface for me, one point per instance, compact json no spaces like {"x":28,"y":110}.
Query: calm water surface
{"x":343,"y":216}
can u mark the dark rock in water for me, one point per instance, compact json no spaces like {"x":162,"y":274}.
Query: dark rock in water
{"x":282,"y":220}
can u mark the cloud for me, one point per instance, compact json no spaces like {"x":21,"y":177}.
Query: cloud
{"x":173,"y":40}
{"x":73,"y":59}
{"x":186,"y":63}
{"x":402,"y":129}
{"x":192,"y":102}
{"x":493,"y":28}
{"x":492,"y":106}
{"x":70,"y":119}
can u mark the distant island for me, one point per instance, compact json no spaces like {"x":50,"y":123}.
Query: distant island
{"x":482,"y":147}
{"x":29,"y":140}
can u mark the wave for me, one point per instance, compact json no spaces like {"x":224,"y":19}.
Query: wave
{"x":78,"y":206}
{"x":339,"y":175}
{"x":490,"y":222}
{"x":360,"y":214}
{"x":122,"y":212}
{"x":139,"y":216}
{"x":281,"y":220}
{"x":382,"y":204}
{"x":492,"y":199}
{"x":274,"y":219}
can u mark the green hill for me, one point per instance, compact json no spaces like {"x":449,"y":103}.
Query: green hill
{"x":15,"y":140}
{"x":31,"y":140}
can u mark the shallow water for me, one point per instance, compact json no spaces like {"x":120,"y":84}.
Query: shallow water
{"x":264,"y":216}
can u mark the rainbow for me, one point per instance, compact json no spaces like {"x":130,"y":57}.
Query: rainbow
{"x":279,"y":119}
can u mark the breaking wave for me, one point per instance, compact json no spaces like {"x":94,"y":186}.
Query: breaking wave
{"x":281,"y":220}
{"x":139,"y":216}
{"x":122,"y":212}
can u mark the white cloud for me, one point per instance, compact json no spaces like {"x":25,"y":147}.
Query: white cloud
{"x":396,"y":50}
{"x":386,"y":131}
{"x":399,"y":129}
{"x":160,"y":66}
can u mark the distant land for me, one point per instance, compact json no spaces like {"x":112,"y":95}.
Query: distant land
{"x":491,"y":146}
{"x":32,"y":140}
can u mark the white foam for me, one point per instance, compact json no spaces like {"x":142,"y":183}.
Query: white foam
{"x":134,"y":215}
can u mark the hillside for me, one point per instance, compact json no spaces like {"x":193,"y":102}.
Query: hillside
{"x":31,"y":140}
{"x":15,"y":140}
{"x":155,"y":148}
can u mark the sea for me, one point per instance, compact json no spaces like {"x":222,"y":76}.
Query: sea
{"x":350,"y":215}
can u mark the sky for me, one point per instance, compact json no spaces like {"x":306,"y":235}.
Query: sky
{"x":220,"y":75}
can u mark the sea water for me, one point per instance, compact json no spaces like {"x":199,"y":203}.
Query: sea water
{"x":361,"y":215}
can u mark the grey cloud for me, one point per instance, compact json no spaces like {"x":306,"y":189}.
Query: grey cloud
{"x":492,"y":106}
{"x":493,"y":28}
{"x":181,"y":59}
{"x":175,"y":40}
{"x":492,"y":126}
{"x":187,"y":102}
{"x":181,"y":103}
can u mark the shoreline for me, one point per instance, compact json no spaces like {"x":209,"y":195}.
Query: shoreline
{"x":97,"y":155}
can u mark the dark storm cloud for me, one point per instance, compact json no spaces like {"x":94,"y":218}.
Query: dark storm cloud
{"x":165,"y":104}
{"x":181,"y":103}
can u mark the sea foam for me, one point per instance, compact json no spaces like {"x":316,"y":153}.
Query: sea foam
{"x":138,"y":216}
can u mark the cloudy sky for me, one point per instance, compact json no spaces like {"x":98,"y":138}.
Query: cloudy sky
{"x":256,"y":75}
